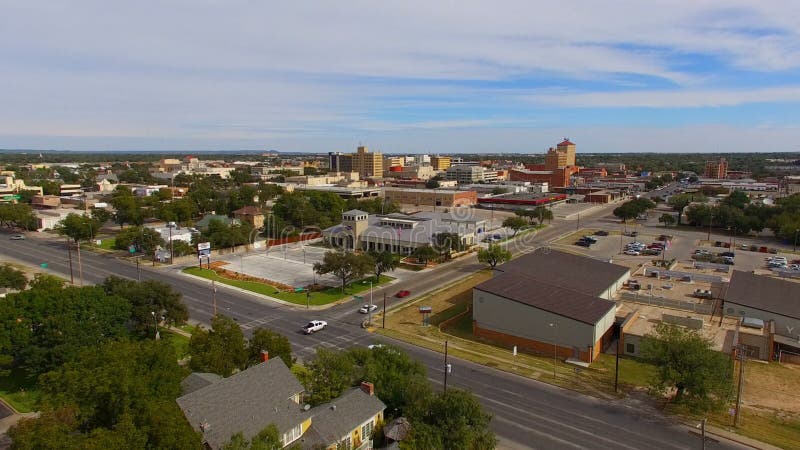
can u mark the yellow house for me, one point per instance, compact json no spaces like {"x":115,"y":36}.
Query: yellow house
{"x":268,"y":393}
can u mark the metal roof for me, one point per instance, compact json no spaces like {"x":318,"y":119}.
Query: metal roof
{"x":764,"y":293}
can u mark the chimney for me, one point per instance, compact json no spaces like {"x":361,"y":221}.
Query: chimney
{"x":264,"y":356}
{"x":368,"y":387}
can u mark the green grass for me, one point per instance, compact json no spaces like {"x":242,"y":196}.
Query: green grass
{"x":448,"y":313}
{"x":108,"y":243}
{"x":632,"y":372}
{"x":322,"y":297}
{"x":19,"y":391}
{"x":461,"y":327}
{"x":187,"y":328}
{"x":520,"y":233}
{"x":178,"y":341}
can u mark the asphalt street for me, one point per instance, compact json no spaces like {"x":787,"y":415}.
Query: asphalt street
{"x":526,"y":413}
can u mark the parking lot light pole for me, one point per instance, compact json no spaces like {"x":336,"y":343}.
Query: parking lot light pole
{"x":555,"y":349}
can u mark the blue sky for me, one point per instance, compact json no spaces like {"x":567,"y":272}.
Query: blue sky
{"x":401,"y":77}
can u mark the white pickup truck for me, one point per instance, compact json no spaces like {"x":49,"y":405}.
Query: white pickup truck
{"x":314,"y":326}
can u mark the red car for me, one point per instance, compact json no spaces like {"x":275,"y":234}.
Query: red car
{"x":403,"y":293}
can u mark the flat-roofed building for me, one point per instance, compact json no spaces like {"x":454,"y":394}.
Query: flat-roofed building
{"x":430,"y":197}
{"x":440,"y":162}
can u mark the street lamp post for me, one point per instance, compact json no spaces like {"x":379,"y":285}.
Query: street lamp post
{"x":369,"y":309}
{"x":155,"y":322}
{"x":795,"y":238}
{"x":555,"y":349}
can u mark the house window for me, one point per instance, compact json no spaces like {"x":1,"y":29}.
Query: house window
{"x":292,"y":435}
{"x":366,"y":430}
{"x":629,"y":348}
{"x":345,"y":444}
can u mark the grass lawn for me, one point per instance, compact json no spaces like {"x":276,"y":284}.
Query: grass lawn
{"x":107,"y":243}
{"x":19,"y":392}
{"x":178,"y":341}
{"x":322,"y":297}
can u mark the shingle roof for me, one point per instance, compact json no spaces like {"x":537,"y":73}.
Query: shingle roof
{"x":335,"y":419}
{"x":246,"y":402}
{"x":198,"y":380}
{"x":764,"y":293}
{"x":578,"y":273}
{"x":355,"y":212}
{"x":248,"y":211}
{"x":559,"y":300}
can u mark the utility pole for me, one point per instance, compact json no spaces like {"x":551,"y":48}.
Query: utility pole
{"x":214,"y":296}
{"x":171,"y":252}
{"x":384,"y":311}
{"x":80,"y":267}
{"x":616,"y":366}
{"x":69,"y":255}
{"x":741,"y":357}
{"x":138,"y":270}
{"x":446,"y":366}
{"x":703,"y":433}
{"x":369,"y":309}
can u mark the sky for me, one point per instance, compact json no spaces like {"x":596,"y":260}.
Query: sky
{"x":401,"y":76}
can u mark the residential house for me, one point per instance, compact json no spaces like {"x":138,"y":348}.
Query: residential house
{"x":268,"y":393}
{"x":250,"y":214}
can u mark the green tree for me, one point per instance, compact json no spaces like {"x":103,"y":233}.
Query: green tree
{"x":424,"y":253}
{"x":542,"y":213}
{"x":385,"y":261}
{"x":432,"y":184}
{"x":400,"y":381}
{"x":145,"y":240}
{"x":12,"y":278}
{"x":700,"y":215}
{"x":220,"y":350}
{"x":680,"y":201}
{"x":347,"y":266}
{"x":17,"y":216}
{"x":267,"y":439}
{"x":667,"y":219}
{"x":331,"y":373}
{"x":101,"y":215}
{"x":49,"y":324}
{"x":127,"y":207}
{"x":737,"y":199}
{"x":515,"y":223}
{"x":494,"y":255}
{"x":182,"y":248}
{"x":78,"y":227}
{"x":275,"y":343}
{"x":447,"y":243}
{"x":151,"y":301}
{"x":686,"y":364}
{"x":458,"y":419}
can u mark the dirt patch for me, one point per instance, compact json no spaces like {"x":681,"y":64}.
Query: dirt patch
{"x":772,"y":386}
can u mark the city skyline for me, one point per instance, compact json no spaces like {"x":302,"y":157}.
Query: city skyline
{"x":410,"y":77}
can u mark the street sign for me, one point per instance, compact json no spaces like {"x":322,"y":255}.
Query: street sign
{"x":425,"y":309}
{"x":203,"y":246}
{"x":43,"y":265}
{"x":299,"y":289}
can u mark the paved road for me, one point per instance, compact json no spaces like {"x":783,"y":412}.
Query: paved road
{"x":527,"y":414}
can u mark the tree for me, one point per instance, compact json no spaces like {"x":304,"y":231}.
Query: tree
{"x":515,"y":223}
{"x":425,"y":253}
{"x":17,"y":216}
{"x":331,"y":372}
{"x":680,"y":201}
{"x":150,"y":301}
{"x":454,"y":420}
{"x":667,"y":219}
{"x":182,"y":248}
{"x":78,"y":227}
{"x":49,"y":324}
{"x":385,"y":261}
{"x":543,"y":213}
{"x":12,"y":278}
{"x":145,"y":240}
{"x":128,"y":209}
{"x":276,"y":344}
{"x":220,"y":350}
{"x":347,"y":266}
{"x":494,"y":255}
{"x":700,"y":215}
{"x":626,"y":211}
{"x":267,"y":439}
{"x":432,"y":184}
{"x":686,"y":363}
{"x":737,"y":199}
{"x":400,"y":381}
{"x":120,"y":394}
{"x":446,"y":243}
{"x":101,"y":216}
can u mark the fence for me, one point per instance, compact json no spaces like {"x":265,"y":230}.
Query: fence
{"x":678,"y":275}
{"x":654,"y":300}
{"x":788,"y":357}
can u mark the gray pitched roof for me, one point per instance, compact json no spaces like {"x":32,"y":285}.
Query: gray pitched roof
{"x":331,"y":421}
{"x":246,"y":402}
{"x":764,"y":293}
{"x":559,"y":300}
{"x":579,"y":273}
{"x":198,"y":380}
{"x":355,"y":212}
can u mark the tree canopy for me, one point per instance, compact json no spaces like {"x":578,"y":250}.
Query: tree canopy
{"x":78,"y":227}
{"x":515,"y":223}
{"x":347,"y":266}
{"x":686,"y":363}
{"x":148,"y":297}
{"x":493,"y":255}
{"x":12,"y":278}
{"x":220,"y":350}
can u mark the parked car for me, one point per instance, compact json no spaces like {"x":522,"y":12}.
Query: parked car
{"x":728,"y":260}
{"x":591,"y":239}
{"x":657,"y":245}
{"x":314,"y":326}
{"x":727,"y":254}
{"x":744,"y":247}
{"x":702,"y":293}
{"x":632,"y":252}
{"x":702,"y":251}
{"x":367,"y":308}
{"x":651,"y":251}
{"x":18,"y":237}
{"x":664,"y":237}
{"x":631,"y":233}
{"x":402,"y":294}
{"x":601,"y":233}
{"x":583,"y":243}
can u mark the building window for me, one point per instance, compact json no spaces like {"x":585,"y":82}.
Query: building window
{"x":292,"y":435}
{"x":366,"y":430}
{"x":629,"y":348}
{"x":345,"y":444}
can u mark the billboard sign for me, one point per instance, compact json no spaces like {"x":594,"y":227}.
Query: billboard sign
{"x":204,"y":249}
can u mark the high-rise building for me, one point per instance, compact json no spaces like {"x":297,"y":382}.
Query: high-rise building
{"x":567,"y":148}
{"x":440,"y":162}
{"x":334,"y":161}
{"x":717,"y":169}
{"x":366,"y":163}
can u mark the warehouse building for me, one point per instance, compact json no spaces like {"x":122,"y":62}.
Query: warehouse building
{"x":430,"y":197}
{"x":549,"y":301}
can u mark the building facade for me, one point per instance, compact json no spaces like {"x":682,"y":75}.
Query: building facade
{"x":366,"y":163}
{"x":430,"y":197}
{"x":716,"y":169}
{"x":440,"y":162}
